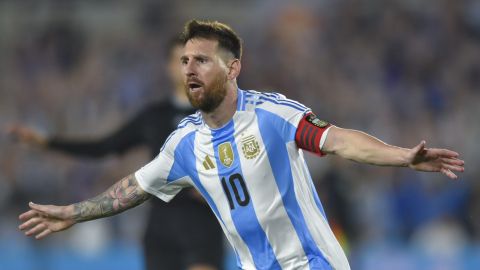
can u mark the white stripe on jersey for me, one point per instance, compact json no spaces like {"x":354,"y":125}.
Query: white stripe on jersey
{"x":204,"y":148}
{"x":317,"y":225}
{"x":266,"y":199}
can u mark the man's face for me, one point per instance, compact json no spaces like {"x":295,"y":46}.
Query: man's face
{"x":205,"y":74}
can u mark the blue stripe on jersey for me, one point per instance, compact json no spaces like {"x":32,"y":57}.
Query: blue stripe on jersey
{"x":177,"y":171}
{"x":183,"y":159}
{"x":249,"y":99}
{"x":244,"y":217}
{"x":281,"y":98}
{"x":188,"y":161}
{"x":240,"y":97}
{"x":189,"y":119}
{"x":278,"y":156}
{"x":194,"y":118}
{"x":281,"y":102}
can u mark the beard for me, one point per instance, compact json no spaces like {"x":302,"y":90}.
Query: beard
{"x":211,"y":95}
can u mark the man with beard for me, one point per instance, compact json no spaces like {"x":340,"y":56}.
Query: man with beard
{"x":242,"y":152}
{"x":170,"y":243}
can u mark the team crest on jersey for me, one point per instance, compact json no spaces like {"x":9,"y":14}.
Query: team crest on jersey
{"x":225,"y":152}
{"x":250,"y":147}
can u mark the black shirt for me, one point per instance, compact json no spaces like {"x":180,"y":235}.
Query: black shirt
{"x":149,"y":127}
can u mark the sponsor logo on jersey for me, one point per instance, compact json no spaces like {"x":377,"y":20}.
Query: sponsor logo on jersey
{"x":250,"y":147}
{"x":208,"y":164}
{"x":312,"y":118}
{"x":225,"y":152}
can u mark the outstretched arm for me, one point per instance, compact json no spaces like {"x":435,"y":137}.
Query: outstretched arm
{"x":361,"y":147}
{"x":119,"y":141}
{"x":43,"y":220}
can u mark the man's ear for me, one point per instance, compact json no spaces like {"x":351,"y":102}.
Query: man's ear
{"x":234,"y":68}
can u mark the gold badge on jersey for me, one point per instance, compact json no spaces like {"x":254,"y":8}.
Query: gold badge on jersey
{"x":225,"y":152}
{"x":250,"y":147}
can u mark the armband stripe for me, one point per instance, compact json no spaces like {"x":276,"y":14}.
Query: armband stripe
{"x":313,"y":139}
{"x":302,"y":135}
{"x":308,"y":136}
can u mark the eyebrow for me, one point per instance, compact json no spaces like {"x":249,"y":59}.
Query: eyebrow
{"x":196,"y":56}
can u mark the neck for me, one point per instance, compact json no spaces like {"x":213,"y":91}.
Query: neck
{"x":225,"y":111}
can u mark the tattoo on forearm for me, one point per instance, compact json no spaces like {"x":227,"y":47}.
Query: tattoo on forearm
{"x":121,"y":196}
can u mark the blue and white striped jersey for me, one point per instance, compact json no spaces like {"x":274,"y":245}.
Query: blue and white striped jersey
{"x":255,"y":179}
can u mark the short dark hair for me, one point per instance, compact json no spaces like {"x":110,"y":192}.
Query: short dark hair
{"x":226,"y":37}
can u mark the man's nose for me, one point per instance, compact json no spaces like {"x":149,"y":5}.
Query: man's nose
{"x":189,"y":69}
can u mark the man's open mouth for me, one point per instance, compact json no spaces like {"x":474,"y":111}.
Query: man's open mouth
{"x":194,"y":86}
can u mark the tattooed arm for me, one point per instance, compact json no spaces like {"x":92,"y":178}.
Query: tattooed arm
{"x":123,"y":195}
{"x":43,"y":220}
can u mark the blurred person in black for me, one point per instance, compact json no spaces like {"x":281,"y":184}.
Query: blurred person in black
{"x":184,"y":234}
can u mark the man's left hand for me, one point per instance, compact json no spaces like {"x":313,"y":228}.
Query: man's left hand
{"x":435,"y":160}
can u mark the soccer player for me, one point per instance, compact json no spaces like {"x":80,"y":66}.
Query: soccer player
{"x":243,"y":152}
{"x":181,"y":246}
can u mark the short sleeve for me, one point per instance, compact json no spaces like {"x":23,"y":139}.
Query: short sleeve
{"x":282,"y":113}
{"x":161,"y":176}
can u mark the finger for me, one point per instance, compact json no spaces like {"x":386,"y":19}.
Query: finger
{"x":419,"y":147}
{"x":28,"y":215}
{"x":447,"y":153}
{"x":43,"y":209}
{"x":37,"y":229}
{"x":453,"y":167}
{"x":448,"y":173}
{"x":43,"y":234}
{"x":453,"y":161}
{"x":30,"y":223}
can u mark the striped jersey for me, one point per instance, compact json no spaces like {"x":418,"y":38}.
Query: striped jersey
{"x":255,"y":179}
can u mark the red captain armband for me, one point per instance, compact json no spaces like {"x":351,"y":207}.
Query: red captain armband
{"x":309,"y":133}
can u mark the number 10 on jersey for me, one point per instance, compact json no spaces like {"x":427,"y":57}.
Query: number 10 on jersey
{"x":236,"y":183}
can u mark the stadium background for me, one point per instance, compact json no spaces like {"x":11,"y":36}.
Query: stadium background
{"x":400,"y":70}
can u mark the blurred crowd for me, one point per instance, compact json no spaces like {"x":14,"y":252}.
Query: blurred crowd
{"x":401,"y":70}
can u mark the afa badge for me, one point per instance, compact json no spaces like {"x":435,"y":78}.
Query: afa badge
{"x":250,"y":147}
{"x":225,"y":152}
{"x":312,"y":119}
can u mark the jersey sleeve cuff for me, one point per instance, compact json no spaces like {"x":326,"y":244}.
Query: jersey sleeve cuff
{"x":164,"y":197}
{"x":324,"y":137}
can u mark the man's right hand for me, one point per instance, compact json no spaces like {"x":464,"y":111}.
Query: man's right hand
{"x":26,"y":135}
{"x":43,"y":220}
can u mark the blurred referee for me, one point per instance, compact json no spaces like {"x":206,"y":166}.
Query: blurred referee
{"x":183,"y":235}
